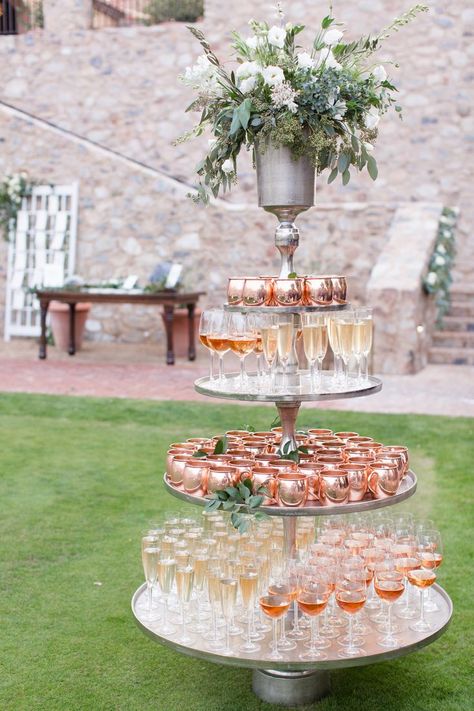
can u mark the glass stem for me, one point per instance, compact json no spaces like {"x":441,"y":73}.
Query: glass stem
{"x":296,"y":622}
{"x":312,"y":374}
{"x":365,"y":369}
{"x":211,"y":365}
{"x":422,"y":605}
{"x":221,"y":367}
{"x":285,"y":376}
{"x":183,"y":620}
{"x":249,"y":625}
{"x":150,"y":597}
{"x":351,"y":642}
{"x":214,"y":623}
{"x":312,"y":646}
{"x":242,"y":373}
{"x":389,"y":621}
{"x":275,"y":633}
{"x":227,"y":634}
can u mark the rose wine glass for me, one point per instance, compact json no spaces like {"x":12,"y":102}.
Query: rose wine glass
{"x":218,"y":338}
{"x":242,"y":341}
{"x":312,"y":599}
{"x":351,"y":597}
{"x":430,"y":550}
{"x":274,"y":606}
{"x":283,"y":586}
{"x":421,"y":578}
{"x":205,"y":328}
{"x":389,"y":587}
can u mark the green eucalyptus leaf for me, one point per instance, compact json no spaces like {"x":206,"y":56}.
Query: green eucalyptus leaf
{"x":213,"y":505}
{"x":248,"y":484}
{"x":222,"y":495}
{"x":243,"y":525}
{"x":303,"y":449}
{"x":292,"y":275}
{"x":327,"y":22}
{"x":235,"y":519}
{"x":255,"y":501}
{"x":244,"y":112}
{"x":372,"y":167}
{"x":199,"y":454}
{"x":346,"y":176}
{"x":221,"y":445}
{"x":333,"y":175}
{"x":343,"y":162}
{"x":232,"y":491}
{"x":228,"y":505}
{"x":276,"y":422}
{"x":235,"y":125}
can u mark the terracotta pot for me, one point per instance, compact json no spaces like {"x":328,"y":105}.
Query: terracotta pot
{"x":60,"y":323}
{"x":180,"y":331}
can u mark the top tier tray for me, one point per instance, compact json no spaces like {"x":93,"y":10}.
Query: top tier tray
{"x":286,"y":309}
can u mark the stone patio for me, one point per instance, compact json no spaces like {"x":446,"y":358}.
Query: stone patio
{"x":112,"y":370}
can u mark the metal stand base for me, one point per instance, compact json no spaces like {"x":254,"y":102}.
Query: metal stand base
{"x":287,"y":688}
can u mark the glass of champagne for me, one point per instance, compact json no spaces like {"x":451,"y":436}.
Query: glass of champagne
{"x":421,"y":578}
{"x":274,"y":606}
{"x":242,"y":341}
{"x":150,"y":558}
{"x":430,"y":550}
{"x":333,"y":337}
{"x":184,"y":587}
{"x":269,"y":331}
{"x":205,"y":328}
{"x":345,"y":337}
{"x":166,"y":576}
{"x":201,"y":562}
{"x":363,"y":336}
{"x":315,"y":342}
{"x":389,"y":586}
{"x":248,"y":581}
{"x":228,"y":595}
{"x":350,"y":597}
{"x":218,"y":339}
{"x":285,"y":338}
{"x":214,"y":576}
{"x":312,"y":599}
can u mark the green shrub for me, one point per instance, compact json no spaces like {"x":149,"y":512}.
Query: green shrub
{"x":179,"y":10}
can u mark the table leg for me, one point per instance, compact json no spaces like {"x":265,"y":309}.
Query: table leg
{"x":72,"y":329}
{"x":169,"y":320}
{"x":192,"y":345}
{"x":42,"y":339}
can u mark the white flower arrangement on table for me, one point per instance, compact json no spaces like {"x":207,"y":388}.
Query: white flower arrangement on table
{"x":13,"y":189}
{"x":438,"y":278}
{"x":324,"y":102}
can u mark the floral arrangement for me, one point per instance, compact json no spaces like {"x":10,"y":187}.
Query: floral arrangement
{"x":13,"y":189}
{"x":438,"y":278}
{"x":324,"y":102}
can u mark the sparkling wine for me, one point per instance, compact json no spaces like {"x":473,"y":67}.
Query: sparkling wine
{"x":345,"y":331}
{"x":243,"y":345}
{"x":184,"y":582}
{"x":200,"y":570}
{"x":150,"y":558}
{"x":218,"y":343}
{"x":421,"y":578}
{"x":389,"y":590}
{"x":258,"y":347}
{"x":213,"y":586}
{"x":363,"y":335}
{"x":166,"y":574}
{"x":228,"y":591}
{"x":431,"y":560}
{"x":350,"y":600}
{"x":269,"y":342}
{"x":284,"y":340}
{"x":248,"y":587}
{"x":274,"y":608}
{"x":315,"y":341}
{"x":333,"y":336}
{"x":312,"y":605}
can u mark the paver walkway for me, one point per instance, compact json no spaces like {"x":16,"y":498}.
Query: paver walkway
{"x":138,"y":371}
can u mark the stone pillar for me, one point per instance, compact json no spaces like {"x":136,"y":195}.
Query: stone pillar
{"x":403,"y":313}
{"x":63,"y":16}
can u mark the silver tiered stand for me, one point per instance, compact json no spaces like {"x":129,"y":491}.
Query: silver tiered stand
{"x":286,"y":188}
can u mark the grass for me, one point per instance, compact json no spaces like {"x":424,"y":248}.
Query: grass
{"x":79,"y":480}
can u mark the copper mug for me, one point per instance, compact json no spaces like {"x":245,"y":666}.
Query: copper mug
{"x":237,"y":433}
{"x":178,"y":462}
{"x":329,"y":461}
{"x":195,"y":476}
{"x":339,"y":289}
{"x":292,"y":489}
{"x":358,"y":480}
{"x":255,"y":446}
{"x":312,"y":470}
{"x":346,"y":435}
{"x":270,"y":436}
{"x":320,"y":433}
{"x":266,"y":478}
{"x":285,"y":466}
{"x":171,"y":453}
{"x":288,"y":292}
{"x":266,"y":460}
{"x":317,"y":291}
{"x":392,"y":458}
{"x":333,"y":487}
{"x":403,"y":451}
{"x":256,"y":292}
{"x":383,"y":480}
{"x":220,"y":477}
{"x":244,"y":467}
{"x":235,"y":287}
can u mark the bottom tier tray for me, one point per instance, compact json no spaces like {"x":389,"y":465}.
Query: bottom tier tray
{"x":292,"y":681}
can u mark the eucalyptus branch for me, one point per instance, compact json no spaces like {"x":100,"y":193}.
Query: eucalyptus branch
{"x":401,"y":21}
{"x":235,"y":499}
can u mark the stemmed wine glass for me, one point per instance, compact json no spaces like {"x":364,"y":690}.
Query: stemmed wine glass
{"x":362,"y":341}
{"x":166,"y":576}
{"x":315,"y":343}
{"x":284,"y":587}
{"x":351,"y":596}
{"x":274,"y":606}
{"x":248,"y":580}
{"x":430,"y":550}
{"x":218,"y":338}
{"x":389,"y":587}
{"x":228,"y":595}
{"x":421,"y":578}
{"x":205,"y":329}
{"x":242,"y":341}
{"x":312,"y":599}
{"x":345,"y":333}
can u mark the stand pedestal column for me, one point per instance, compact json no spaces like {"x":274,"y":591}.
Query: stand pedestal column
{"x":288,"y":412}
{"x":287,"y":688}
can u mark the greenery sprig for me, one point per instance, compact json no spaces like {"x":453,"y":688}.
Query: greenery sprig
{"x":438,"y":279}
{"x":13,"y":189}
{"x":233,"y":499}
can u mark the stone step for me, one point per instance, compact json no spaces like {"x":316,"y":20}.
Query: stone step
{"x":462,"y":290}
{"x":454,"y":339}
{"x":461,"y":308}
{"x":458,"y":323}
{"x":451,"y":356}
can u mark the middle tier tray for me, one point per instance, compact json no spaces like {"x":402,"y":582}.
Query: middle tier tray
{"x":406,"y":489}
{"x":239,"y":308}
{"x":300,"y":389}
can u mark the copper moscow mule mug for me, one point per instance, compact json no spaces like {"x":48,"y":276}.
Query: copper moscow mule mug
{"x":333,"y":487}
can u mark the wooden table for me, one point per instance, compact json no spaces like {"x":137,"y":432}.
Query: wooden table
{"x":168,"y":299}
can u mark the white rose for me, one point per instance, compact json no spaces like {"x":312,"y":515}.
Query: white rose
{"x":372,"y":118}
{"x":228,"y":166}
{"x":332,"y":37}
{"x":276,"y":36}
{"x":273,"y":75}
{"x":247,"y":85}
{"x":379,"y":73}
{"x":439,"y":261}
{"x":247,"y":69}
{"x":305,"y":60}
{"x":432,"y":278}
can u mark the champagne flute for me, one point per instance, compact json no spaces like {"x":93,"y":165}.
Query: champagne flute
{"x":248,"y":581}
{"x":285,"y":336}
{"x":201,"y":562}
{"x":269,"y":330}
{"x":345,"y":333}
{"x":242,"y":341}
{"x":184,"y":587}
{"x":350,"y":597}
{"x":274,"y":606}
{"x":315,"y":343}
{"x":228,"y":595}
{"x":363,"y":336}
{"x":205,"y":328}
{"x":218,"y":338}
{"x":421,"y":578}
{"x":333,"y":336}
{"x":166,"y":576}
{"x":312,"y":599}
{"x":388,"y":585}
{"x":214,"y":575}
{"x":150,"y":557}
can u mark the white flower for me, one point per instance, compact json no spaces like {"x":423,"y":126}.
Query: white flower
{"x":211,"y":143}
{"x":441,"y":249}
{"x":276,"y":36}
{"x":340,"y":108}
{"x":227,"y":166}
{"x":372,"y":118}
{"x":368,"y":147}
{"x":202,"y":76}
{"x":305,"y":60}
{"x":283,"y":95}
{"x":326,"y":57}
{"x":379,"y":73}
{"x":252,"y":42}
{"x":246,"y":85}
{"x":332,"y":37}
{"x":439,"y":261}
{"x":273,"y":75}
{"x":247,"y":69}
{"x":432,"y":278}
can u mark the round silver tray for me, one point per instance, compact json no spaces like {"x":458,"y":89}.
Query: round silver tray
{"x":406,"y":489}
{"x":300,"y":392}
{"x":286,"y":309}
{"x":410,"y":641}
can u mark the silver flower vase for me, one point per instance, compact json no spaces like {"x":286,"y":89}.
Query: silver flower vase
{"x":285,"y":188}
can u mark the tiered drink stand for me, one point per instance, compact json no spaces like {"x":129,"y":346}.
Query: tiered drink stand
{"x":292,"y":682}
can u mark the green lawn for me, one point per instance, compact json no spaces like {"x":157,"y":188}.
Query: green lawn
{"x":79,"y":480}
